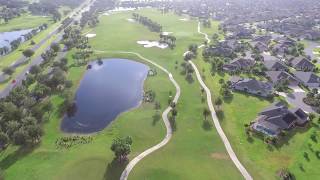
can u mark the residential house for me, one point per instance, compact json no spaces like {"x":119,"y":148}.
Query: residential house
{"x":239,"y":64}
{"x":277,"y":76}
{"x":275,"y":65}
{"x":265,"y":39}
{"x":312,"y":35}
{"x":308,"y":79}
{"x":221,"y":52}
{"x":252,"y":86}
{"x":260,"y":47}
{"x":301,"y":64}
{"x":277,"y":118}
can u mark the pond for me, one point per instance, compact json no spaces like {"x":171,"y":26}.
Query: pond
{"x":7,"y":37}
{"x":105,"y":91}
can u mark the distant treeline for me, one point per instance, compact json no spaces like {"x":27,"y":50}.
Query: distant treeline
{"x":70,"y":3}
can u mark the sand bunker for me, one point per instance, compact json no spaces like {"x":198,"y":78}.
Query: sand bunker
{"x":106,"y":14}
{"x":150,"y":44}
{"x":184,"y":19}
{"x":90,"y":35}
{"x":121,"y":9}
{"x":166,"y":33}
{"x":220,"y":156}
{"x":131,"y":20}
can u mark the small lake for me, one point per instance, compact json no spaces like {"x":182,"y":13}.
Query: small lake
{"x":106,"y":91}
{"x":7,"y":37}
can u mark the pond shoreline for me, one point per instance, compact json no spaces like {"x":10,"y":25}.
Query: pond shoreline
{"x":91,"y":115}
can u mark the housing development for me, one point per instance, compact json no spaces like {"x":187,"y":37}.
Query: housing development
{"x":159,"y":89}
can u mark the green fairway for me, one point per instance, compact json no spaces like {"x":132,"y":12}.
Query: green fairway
{"x":193,"y":152}
{"x":25,"y":21}
{"x":262,"y":161}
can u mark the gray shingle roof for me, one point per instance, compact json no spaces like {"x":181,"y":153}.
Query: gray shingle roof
{"x":307,"y":77}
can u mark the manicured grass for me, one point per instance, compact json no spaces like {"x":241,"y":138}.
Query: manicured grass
{"x":262,"y":161}
{"x":193,"y":153}
{"x":89,"y":161}
{"x":25,"y":21}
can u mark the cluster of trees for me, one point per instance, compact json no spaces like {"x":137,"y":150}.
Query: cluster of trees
{"x":206,"y":23}
{"x":173,"y":116}
{"x":153,"y":26}
{"x":187,"y":70}
{"x":7,"y":14}
{"x":89,"y":18}
{"x":168,"y":39}
{"x":121,"y":148}
{"x":69,"y":3}
{"x":313,"y":99}
{"x":73,"y":38}
{"x":192,"y":52}
{"x":21,"y":118}
{"x":24,"y":110}
{"x":4,"y":50}
{"x":35,"y":31}
{"x":225,"y":91}
{"x":45,"y":8}
{"x":149,"y":96}
{"x":104,"y":5}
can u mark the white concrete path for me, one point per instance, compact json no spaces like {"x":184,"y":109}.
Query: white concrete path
{"x":215,"y":119}
{"x":168,"y":136}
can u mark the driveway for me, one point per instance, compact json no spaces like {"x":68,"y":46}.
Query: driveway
{"x":296,"y":99}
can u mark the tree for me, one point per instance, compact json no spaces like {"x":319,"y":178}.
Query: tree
{"x":8,"y":70}
{"x":4,"y":140}
{"x":40,"y":91}
{"x":284,"y":174}
{"x":34,"y":132}
{"x":206,"y":113}
{"x":20,"y":137}
{"x":55,"y":47}
{"x":121,"y":148}
{"x":218,"y":101}
{"x":28,"y":53}
{"x":35,"y":69}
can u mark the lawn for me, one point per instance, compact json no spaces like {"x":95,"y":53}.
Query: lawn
{"x":192,"y":147}
{"x":25,"y":21}
{"x":261,"y":160}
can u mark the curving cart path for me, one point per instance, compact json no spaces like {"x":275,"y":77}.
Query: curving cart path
{"x":168,"y":136}
{"x":215,"y":119}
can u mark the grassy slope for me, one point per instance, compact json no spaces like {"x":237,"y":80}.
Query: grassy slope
{"x":25,"y":21}
{"x":89,"y":161}
{"x":190,"y":146}
{"x":262,"y":162}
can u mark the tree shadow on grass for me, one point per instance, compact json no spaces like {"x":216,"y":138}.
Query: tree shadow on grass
{"x":15,"y":156}
{"x":220,"y":115}
{"x":206,"y":125}
{"x":228,"y":100}
{"x":114,"y":170}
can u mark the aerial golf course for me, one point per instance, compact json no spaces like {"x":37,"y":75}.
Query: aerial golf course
{"x":194,"y":152}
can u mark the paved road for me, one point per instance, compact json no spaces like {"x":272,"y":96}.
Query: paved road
{"x":37,"y":60}
{"x":215,"y":119}
{"x":296,"y":99}
{"x":168,"y":136}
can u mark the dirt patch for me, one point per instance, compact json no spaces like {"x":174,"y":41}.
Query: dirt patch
{"x":221,"y":156}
